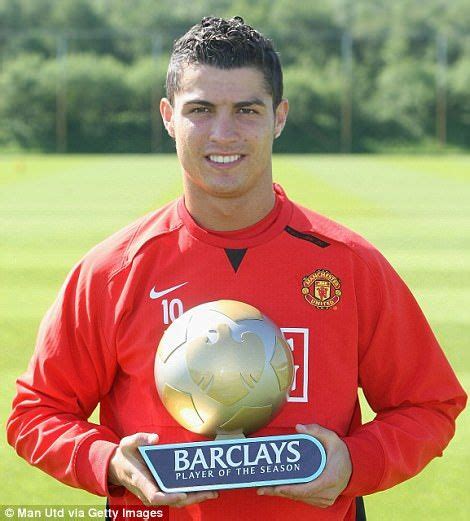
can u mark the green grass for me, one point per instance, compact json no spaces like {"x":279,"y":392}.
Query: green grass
{"x":416,"y":209}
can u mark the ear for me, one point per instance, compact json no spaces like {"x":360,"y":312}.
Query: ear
{"x":280,"y":117}
{"x":166,"y":110}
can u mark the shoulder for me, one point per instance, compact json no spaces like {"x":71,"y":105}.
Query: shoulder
{"x":116,"y":252}
{"x":377,"y":283}
{"x":332,"y":233}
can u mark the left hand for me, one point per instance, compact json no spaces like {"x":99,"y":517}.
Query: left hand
{"x":323,"y":491}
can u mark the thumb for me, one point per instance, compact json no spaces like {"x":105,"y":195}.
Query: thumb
{"x":317,"y":431}
{"x":138,"y":439}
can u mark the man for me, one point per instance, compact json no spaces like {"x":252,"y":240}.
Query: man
{"x":235,"y":235}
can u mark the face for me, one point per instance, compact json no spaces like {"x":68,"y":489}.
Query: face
{"x":224,"y":126}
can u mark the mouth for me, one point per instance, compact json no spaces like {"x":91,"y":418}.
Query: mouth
{"x":224,"y":160}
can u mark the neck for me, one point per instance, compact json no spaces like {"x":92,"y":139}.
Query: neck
{"x":228,"y":213}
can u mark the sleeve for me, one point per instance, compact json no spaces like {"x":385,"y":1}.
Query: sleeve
{"x":71,"y":369}
{"x":407,"y":381}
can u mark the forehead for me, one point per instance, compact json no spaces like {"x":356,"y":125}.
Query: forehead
{"x":220,"y":86}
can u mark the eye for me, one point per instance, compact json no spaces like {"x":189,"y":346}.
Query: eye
{"x":246,"y":110}
{"x":199,"y":110}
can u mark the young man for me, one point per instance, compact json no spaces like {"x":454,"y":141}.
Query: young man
{"x":234,"y":235}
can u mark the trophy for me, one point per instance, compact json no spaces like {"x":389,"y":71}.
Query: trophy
{"x":224,"y":370}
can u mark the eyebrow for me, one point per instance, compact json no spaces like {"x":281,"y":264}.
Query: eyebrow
{"x":239,"y":104}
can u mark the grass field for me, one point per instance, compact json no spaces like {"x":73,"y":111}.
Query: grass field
{"x":416,"y":209}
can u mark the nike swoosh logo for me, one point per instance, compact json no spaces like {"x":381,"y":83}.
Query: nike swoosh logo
{"x":157,"y":294}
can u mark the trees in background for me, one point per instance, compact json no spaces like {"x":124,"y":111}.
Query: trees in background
{"x":86,"y":75}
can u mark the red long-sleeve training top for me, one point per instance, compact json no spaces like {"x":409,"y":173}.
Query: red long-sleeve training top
{"x":347,"y":315}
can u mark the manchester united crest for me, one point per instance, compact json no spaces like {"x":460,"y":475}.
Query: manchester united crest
{"x":321,"y":289}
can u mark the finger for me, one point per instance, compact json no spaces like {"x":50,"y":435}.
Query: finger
{"x":161,"y":498}
{"x":320,"y":499}
{"x":324,"y":435}
{"x":301,"y":492}
{"x":321,"y":485}
{"x":141,"y":486}
{"x":272,"y":491}
{"x":319,"y":502}
{"x":294,"y":491}
{"x":149,"y":493}
{"x":197,"y":497}
{"x":138,"y":439}
{"x":297,"y":492}
{"x":266,"y":491}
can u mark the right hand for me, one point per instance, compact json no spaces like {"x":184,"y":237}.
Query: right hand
{"x":128,"y":469}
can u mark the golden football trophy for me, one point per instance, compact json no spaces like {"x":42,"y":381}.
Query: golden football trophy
{"x":223,"y":369}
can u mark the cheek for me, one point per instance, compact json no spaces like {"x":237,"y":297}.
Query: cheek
{"x":190,"y":145}
{"x":261,"y":140}
{"x":184,"y":139}
{"x":259,"y":131}
{"x":192,"y":135}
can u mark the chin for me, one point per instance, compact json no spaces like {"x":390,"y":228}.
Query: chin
{"x":227,"y":191}
{"x":224,"y":187}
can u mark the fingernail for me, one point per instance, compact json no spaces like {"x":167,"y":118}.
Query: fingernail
{"x":300,"y":427}
{"x":260,"y":492}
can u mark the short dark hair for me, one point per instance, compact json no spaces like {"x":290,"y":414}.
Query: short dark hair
{"x":227,"y":44}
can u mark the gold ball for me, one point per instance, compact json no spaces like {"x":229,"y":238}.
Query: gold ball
{"x":223,"y":367}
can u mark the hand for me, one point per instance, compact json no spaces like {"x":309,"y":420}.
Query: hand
{"x":323,"y":491}
{"x":127,"y":468}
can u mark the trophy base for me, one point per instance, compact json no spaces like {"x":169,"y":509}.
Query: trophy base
{"x":233,"y":435}
{"x":229,"y":462}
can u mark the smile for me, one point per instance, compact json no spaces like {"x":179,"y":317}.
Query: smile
{"x":224,"y":160}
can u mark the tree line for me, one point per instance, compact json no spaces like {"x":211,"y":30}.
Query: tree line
{"x":360,"y":75}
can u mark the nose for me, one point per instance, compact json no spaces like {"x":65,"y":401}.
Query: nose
{"x":224,"y":129}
